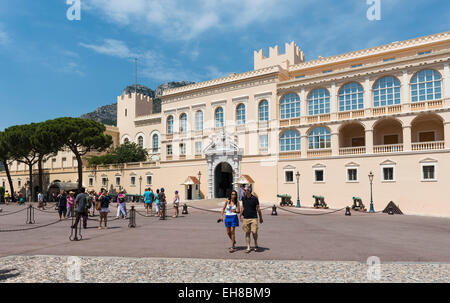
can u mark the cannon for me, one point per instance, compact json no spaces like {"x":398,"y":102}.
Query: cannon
{"x":285,"y":200}
{"x":320,"y":202}
{"x":358,"y":204}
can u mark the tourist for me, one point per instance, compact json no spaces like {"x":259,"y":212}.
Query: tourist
{"x":241,"y":192}
{"x":162,"y":203}
{"x":82,"y":202}
{"x":6,"y":197}
{"x":148,"y":199}
{"x":176,"y":204}
{"x":21,"y":200}
{"x":121,"y":205}
{"x":231,"y":210}
{"x":158,"y":209}
{"x":93,"y":197}
{"x":40,"y":197}
{"x":104,"y":210}
{"x":250,"y":212}
{"x":70,"y":204}
{"x":62,"y":204}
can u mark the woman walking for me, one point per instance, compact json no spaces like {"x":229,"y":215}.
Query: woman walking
{"x":104,"y":200}
{"x":158,"y":212}
{"x":62,"y":204}
{"x":231,"y":209}
{"x":176,"y":204}
{"x":121,"y":207}
{"x":70,"y":204}
{"x":94,"y":201}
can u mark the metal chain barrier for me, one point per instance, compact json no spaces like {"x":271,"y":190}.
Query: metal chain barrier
{"x":77,"y":231}
{"x":303,"y":214}
{"x":132,"y":223}
{"x":13,"y":213}
{"x":30,"y":215}
{"x":204,"y":209}
{"x":31,"y":228}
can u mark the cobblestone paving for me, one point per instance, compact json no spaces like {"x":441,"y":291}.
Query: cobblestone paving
{"x":52,"y":269}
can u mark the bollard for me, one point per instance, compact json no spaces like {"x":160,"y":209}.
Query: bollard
{"x":274,"y":210}
{"x":163,"y":211}
{"x":132,"y":223}
{"x":30,"y":215}
{"x":347,"y":211}
{"x":77,"y":230}
{"x":185,"y":209}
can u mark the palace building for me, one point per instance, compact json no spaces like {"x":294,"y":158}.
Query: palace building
{"x":384,"y":110}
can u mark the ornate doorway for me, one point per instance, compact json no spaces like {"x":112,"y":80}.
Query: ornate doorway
{"x":223,"y":180}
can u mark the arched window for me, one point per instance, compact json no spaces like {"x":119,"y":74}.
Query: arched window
{"x":290,"y":106}
{"x":318,"y":102}
{"x":351,"y":97}
{"x":240,"y":114}
{"x":386,"y":91}
{"x":155,"y":141}
{"x":140,"y":141}
{"x":319,"y":138}
{"x":290,"y":141}
{"x":426,"y":86}
{"x":219,"y":117}
{"x":170,"y":125}
{"x":199,"y":120}
{"x":264,"y":110}
{"x":183,"y":123}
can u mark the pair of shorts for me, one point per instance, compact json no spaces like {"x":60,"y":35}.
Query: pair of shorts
{"x":231,"y":221}
{"x":250,"y":225}
{"x":104,"y":210}
{"x":148,"y":204}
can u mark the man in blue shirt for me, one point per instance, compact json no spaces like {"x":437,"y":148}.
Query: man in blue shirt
{"x":148,"y":198}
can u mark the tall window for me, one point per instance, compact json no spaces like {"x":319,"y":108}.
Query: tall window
{"x":155,"y":143}
{"x":219,"y":117}
{"x":290,"y":106}
{"x":182,"y":149}
{"x":319,"y":138}
{"x":290,"y":141}
{"x":141,"y":141}
{"x":170,"y":125}
{"x":199,"y":120}
{"x":318,"y":102}
{"x":351,"y":97}
{"x":386,"y":91}
{"x":240,"y":114}
{"x":426,"y":86}
{"x":264,"y":110}
{"x":183,"y":123}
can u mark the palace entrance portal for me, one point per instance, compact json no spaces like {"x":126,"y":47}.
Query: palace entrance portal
{"x":223,"y":176}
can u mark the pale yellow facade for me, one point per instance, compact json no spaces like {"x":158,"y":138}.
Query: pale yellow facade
{"x":334,"y":120}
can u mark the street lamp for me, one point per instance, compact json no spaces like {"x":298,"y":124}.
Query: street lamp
{"x":297,"y":175}
{"x":199,"y":175}
{"x":140,"y":185}
{"x":372,"y":210}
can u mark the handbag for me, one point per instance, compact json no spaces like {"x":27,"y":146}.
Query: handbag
{"x":98,"y":206}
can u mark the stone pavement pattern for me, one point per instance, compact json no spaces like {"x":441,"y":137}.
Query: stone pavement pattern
{"x":51,"y":269}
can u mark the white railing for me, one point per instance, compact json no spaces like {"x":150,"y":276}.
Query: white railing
{"x":352,"y":150}
{"x":392,"y":148}
{"x":314,"y":153}
{"x":428,"y":145}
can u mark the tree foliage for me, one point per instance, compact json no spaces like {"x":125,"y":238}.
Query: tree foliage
{"x":125,"y":153}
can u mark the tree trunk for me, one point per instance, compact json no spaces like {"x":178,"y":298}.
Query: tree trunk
{"x":80,"y":170}
{"x":8,"y":175}
{"x":30,"y":168}
{"x":41,"y":174}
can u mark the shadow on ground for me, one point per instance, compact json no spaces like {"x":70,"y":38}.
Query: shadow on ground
{"x":6,"y":274}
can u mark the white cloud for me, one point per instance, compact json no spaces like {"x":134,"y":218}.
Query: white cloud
{"x":186,"y":20}
{"x":111,"y":47}
{"x":4,"y":37}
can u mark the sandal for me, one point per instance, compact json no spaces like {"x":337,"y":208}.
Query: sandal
{"x":248,"y":250}
{"x":256,"y":248}
{"x":232,"y":250}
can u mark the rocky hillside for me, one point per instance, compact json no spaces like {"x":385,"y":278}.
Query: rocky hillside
{"x":108,"y":114}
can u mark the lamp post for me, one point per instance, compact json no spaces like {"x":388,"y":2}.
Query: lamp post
{"x":199,"y":175}
{"x":297,"y":175}
{"x":140,"y":185}
{"x":372,"y":210}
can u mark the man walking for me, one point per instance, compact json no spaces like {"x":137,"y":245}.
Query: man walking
{"x":82,"y":208}
{"x":40,"y":201}
{"x":250,"y":212}
{"x":148,"y":199}
{"x":162,"y":204}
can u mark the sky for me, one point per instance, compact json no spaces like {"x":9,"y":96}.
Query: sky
{"x":51,"y":66}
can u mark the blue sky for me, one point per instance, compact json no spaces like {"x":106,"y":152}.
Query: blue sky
{"x":52,"y":67}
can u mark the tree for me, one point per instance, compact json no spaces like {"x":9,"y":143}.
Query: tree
{"x":19,"y":141}
{"x":125,"y":153}
{"x":81,"y":136}
{"x":5,"y":158}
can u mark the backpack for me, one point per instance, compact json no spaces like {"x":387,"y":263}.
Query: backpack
{"x":88,"y":202}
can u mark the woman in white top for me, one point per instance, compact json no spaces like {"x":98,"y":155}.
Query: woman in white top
{"x":176,"y":203}
{"x":231,"y":209}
